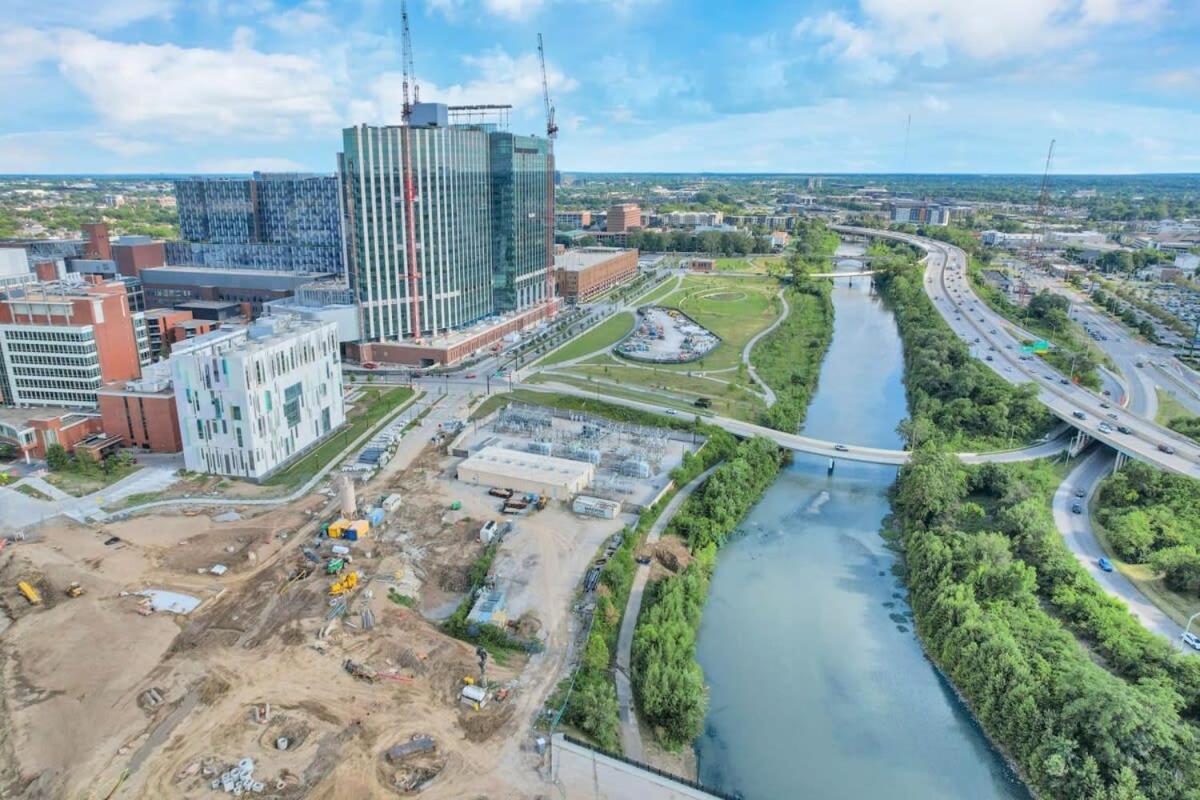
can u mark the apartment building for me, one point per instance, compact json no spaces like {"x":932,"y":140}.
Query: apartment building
{"x":60,"y":342}
{"x":587,"y":272}
{"x":250,"y":400}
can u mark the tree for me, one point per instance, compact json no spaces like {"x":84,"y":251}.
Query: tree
{"x":57,"y":458}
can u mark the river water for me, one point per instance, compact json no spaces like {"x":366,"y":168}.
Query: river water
{"x":818,"y":686}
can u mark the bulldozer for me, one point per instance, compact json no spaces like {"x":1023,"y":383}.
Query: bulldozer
{"x":346,"y":584}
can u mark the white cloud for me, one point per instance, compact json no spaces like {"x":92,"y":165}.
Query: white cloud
{"x":1176,"y":80}
{"x":305,"y":19}
{"x":935,"y":30}
{"x":22,"y":49}
{"x":935,"y":104}
{"x":196,"y":92}
{"x":98,"y":15}
{"x":513,"y":9}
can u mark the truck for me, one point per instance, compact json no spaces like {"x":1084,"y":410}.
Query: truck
{"x":498,"y":492}
{"x":515,"y":506}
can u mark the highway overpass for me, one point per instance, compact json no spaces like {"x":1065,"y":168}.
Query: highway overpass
{"x":947,"y":286}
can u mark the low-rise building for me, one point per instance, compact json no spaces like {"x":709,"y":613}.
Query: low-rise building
{"x":572,"y":219}
{"x":142,"y":412}
{"x":586,"y":272}
{"x":167,"y":287}
{"x":253,"y":399}
{"x":557,"y":478}
{"x":623,"y":217}
{"x":920,"y":213}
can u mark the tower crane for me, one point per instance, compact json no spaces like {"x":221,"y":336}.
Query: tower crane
{"x":410,"y":231}
{"x":1032,"y":254}
{"x":551,"y":133}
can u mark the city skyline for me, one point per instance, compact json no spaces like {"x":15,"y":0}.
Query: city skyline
{"x":231,"y":87}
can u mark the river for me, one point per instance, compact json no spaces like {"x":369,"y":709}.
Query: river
{"x":818,"y":685}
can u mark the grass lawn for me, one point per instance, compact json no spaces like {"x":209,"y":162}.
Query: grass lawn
{"x":761,"y":265}
{"x":79,"y":483}
{"x":658,"y":292}
{"x":728,"y":399}
{"x":1176,"y":606}
{"x":736,"y":309}
{"x":606,"y":334}
{"x":374,"y":405}
{"x":29,"y":491}
{"x":1169,"y":408}
{"x":604,"y":390}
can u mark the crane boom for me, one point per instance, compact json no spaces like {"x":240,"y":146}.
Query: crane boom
{"x":406,"y":63}
{"x":551,"y":126}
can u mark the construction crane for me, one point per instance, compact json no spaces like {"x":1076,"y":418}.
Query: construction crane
{"x":410,"y":232}
{"x":551,"y":133}
{"x":1032,"y":253}
{"x":551,"y":126}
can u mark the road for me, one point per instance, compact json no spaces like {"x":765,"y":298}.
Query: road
{"x":1077,"y":531}
{"x":946,"y":284}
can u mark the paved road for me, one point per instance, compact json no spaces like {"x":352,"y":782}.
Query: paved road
{"x":583,"y":774}
{"x":946,"y":284}
{"x":1081,"y":539}
{"x":631,"y":735}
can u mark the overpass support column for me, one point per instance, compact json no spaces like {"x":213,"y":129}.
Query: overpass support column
{"x":1122,"y":460}
{"x":1081,"y":441}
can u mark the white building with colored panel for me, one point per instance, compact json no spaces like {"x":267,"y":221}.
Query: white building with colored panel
{"x":251,"y":400}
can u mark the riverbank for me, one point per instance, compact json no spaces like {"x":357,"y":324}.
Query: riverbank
{"x":789,"y":358}
{"x":999,"y":601}
{"x":954,"y":400}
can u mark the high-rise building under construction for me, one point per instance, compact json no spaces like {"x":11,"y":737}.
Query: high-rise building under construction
{"x":472,"y":241}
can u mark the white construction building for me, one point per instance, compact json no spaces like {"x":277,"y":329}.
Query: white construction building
{"x":253,"y":399}
{"x":500,"y":467}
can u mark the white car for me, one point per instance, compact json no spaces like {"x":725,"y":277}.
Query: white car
{"x":1192,"y":640}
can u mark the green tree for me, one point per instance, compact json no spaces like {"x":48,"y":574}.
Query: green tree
{"x":57,"y":458}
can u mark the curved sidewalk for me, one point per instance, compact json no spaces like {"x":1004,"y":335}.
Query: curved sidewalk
{"x":631,"y":734}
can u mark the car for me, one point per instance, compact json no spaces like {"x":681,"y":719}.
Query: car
{"x":1104,"y":564}
{"x":1106,"y":393}
{"x":989,"y":358}
{"x":370,"y":365}
{"x":1141,"y":363}
{"x":1076,"y":508}
{"x":1105,"y":405}
{"x":1191,"y":640}
{"x":1166,"y":448}
{"x":1123,"y":429}
{"x":469,"y":376}
{"x":1105,"y":427}
{"x":841,"y":448}
{"x":670,"y":412}
{"x":1111,"y":415}
{"x":1064,"y":381}
{"x":642,"y":560}
{"x":1078,"y":415}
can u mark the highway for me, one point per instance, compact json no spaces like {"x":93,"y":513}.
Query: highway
{"x":968,"y":316}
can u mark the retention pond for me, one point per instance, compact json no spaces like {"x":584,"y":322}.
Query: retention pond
{"x":818,"y":685}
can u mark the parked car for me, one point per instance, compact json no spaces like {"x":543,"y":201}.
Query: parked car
{"x":1191,"y":640}
{"x":1104,"y":564}
{"x":370,"y":365}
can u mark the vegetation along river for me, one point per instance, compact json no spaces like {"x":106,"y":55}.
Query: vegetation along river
{"x":818,"y":685}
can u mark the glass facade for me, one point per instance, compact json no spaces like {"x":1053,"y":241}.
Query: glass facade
{"x":285,"y":222}
{"x":479,"y":225}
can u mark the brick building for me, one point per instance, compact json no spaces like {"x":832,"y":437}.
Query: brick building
{"x":142,"y":412}
{"x":586,"y":272}
{"x":623,"y":217}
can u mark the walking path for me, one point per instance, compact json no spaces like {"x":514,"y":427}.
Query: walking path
{"x":768,"y":392}
{"x":631,"y":735}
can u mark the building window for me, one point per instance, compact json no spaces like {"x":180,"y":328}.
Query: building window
{"x":236,"y":413}
{"x":291,"y":405}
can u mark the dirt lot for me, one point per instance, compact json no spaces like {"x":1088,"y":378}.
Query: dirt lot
{"x":100,"y":695}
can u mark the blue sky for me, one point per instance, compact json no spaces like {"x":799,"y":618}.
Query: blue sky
{"x":640,"y":85}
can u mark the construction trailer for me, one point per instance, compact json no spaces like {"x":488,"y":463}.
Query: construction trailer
{"x":596,"y":507}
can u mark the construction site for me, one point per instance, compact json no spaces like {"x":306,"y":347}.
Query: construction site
{"x":667,"y":336}
{"x":300,"y":651}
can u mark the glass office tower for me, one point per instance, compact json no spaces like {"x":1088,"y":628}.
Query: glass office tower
{"x":478,"y":226}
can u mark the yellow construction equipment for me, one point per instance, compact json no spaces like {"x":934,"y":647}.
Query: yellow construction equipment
{"x":74,"y":589}
{"x":31,"y":594}
{"x":346,"y":584}
{"x":337,"y":527}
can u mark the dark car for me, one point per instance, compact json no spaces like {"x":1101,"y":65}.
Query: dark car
{"x":1076,"y":508}
{"x":1166,"y":448}
{"x":1080,"y":493}
{"x":1104,"y":564}
{"x":642,"y":559}
{"x":1078,"y":415}
{"x":1123,"y":429}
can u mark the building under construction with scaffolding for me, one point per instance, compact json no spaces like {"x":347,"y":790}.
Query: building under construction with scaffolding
{"x":622,"y":461}
{"x":472,"y":241}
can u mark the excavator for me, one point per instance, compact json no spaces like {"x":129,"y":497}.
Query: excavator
{"x":346,"y":584}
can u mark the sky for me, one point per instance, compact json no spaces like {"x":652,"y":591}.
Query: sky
{"x":115,"y":86}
